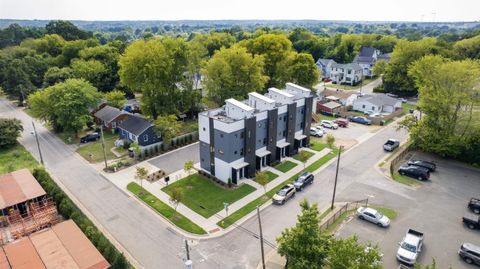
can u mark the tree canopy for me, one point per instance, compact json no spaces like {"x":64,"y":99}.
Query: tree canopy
{"x":233,"y":73}
{"x":10,"y":130}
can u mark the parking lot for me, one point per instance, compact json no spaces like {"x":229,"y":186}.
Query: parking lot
{"x":436,"y":209}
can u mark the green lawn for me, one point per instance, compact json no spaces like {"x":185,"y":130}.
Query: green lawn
{"x":176,"y":218}
{"x":69,"y":137}
{"x":204,"y":196}
{"x":390,"y":213}
{"x":326,"y":212}
{"x":338,"y":221}
{"x":316,"y":145}
{"x":15,"y":158}
{"x":308,"y":154}
{"x":405,"y":180}
{"x":285,"y":166}
{"x":348,"y":87}
{"x":237,"y":215}
{"x":407,"y":107}
{"x":96,"y":149}
{"x":326,"y":117}
{"x":271,"y":175}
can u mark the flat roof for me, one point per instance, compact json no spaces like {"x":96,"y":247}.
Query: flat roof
{"x":80,"y":248}
{"x":59,"y":247}
{"x":262,"y":97}
{"x":18,"y":187}
{"x":284,"y":93}
{"x":239,"y":104}
{"x":21,"y":254}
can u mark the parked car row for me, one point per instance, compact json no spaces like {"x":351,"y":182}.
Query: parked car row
{"x":417,"y":169}
{"x":288,"y":191}
{"x":469,"y":252}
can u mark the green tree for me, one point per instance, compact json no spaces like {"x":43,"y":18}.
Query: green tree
{"x":91,"y":70}
{"x":55,"y":75}
{"x":188,"y":167}
{"x":467,"y":48}
{"x":10,"y":130}
{"x":396,"y":77}
{"x":433,"y":265}
{"x":303,"y":71}
{"x":449,"y":95}
{"x":276,"y":50}
{"x":155,"y":67}
{"x":330,"y":141}
{"x":349,"y":253}
{"x":141,"y":173}
{"x":261,"y":177}
{"x":67,"y":30}
{"x":233,"y":73}
{"x":116,"y":99}
{"x":379,"y":68}
{"x":304,"y":245}
{"x":303,"y":156}
{"x":176,"y":197}
{"x":168,"y":127}
{"x":66,"y":105}
{"x":214,"y":41}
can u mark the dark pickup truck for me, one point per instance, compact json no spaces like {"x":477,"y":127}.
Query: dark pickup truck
{"x":471,"y":220}
{"x":474,"y":205}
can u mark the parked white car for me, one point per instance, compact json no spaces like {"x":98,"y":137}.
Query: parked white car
{"x":410,"y":247}
{"x":373,"y":216}
{"x":316,"y":132}
{"x":329,"y":124}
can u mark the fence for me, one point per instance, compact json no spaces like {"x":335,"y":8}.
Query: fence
{"x":403,"y":151}
{"x":345,"y":208}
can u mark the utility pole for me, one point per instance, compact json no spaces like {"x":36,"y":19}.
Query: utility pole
{"x":336,"y":175}
{"x":188,"y":262}
{"x":103,"y":147}
{"x":261,"y":237}
{"x":38,"y":142}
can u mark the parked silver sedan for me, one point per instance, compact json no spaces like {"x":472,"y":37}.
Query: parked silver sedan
{"x":372,"y":215}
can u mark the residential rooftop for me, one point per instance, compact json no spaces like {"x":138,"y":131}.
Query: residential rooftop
{"x":18,"y":187}
{"x":235,"y":110}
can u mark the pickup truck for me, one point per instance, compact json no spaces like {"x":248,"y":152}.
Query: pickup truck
{"x":410,"y":247}
{"x":391,"y":144}
{"x":471,"y":220}
{"x":474,"y":205}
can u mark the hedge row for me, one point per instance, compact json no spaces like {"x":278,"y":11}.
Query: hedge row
{"x":69,"y":210}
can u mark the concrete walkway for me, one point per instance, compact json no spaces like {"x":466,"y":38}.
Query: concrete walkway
{"x":122,"y":178}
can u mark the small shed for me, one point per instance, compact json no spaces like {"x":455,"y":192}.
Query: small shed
{"x":330,"y":107}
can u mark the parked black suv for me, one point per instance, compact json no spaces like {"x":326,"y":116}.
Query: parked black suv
{"x":303,"y":180}
{"x":471,"y":220}
{"x":90,"y":137}
{"x":474,"y":205}
{"x":414,"y":171}
{"x":470,"y":253}
{"x":429,"y":165}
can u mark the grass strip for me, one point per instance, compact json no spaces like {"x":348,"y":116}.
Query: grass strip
{"x":176,"y":218}
{"x":245,"y":210}
{"x":285,"y":166}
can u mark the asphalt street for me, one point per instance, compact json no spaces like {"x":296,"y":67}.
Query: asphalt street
{"x":147,"y":237}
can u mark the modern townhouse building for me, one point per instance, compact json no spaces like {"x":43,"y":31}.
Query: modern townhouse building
{"x":243,"y":137}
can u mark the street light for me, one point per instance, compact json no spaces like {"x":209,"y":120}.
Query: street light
{"x":336,"y":176}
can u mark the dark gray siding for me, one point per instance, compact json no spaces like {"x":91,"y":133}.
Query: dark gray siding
{"x":272,"y":134}
{"x":261,"y":134}
{"x":292,"y":109}
{"x":212,"y":146}
{"x":282,"y":126}
{"x":300,"y":118}
{"x":250,"y":135}
{"x":205,"y":156}
{"x":228,"y":146}
{"x":308,"y":117}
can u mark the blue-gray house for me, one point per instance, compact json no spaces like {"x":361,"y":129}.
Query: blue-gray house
{"x":140,"y":130}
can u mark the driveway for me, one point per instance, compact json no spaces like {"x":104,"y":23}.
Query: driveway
{"x":435,"y":209}
{"x":174,"y":160}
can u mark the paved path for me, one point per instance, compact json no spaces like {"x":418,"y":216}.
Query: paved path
{"x":122,"y":178}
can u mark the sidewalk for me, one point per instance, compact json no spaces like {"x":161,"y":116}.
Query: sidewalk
{"x":122,"y":178}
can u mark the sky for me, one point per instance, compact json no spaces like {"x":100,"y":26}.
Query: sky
{"x":353,"y":10}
